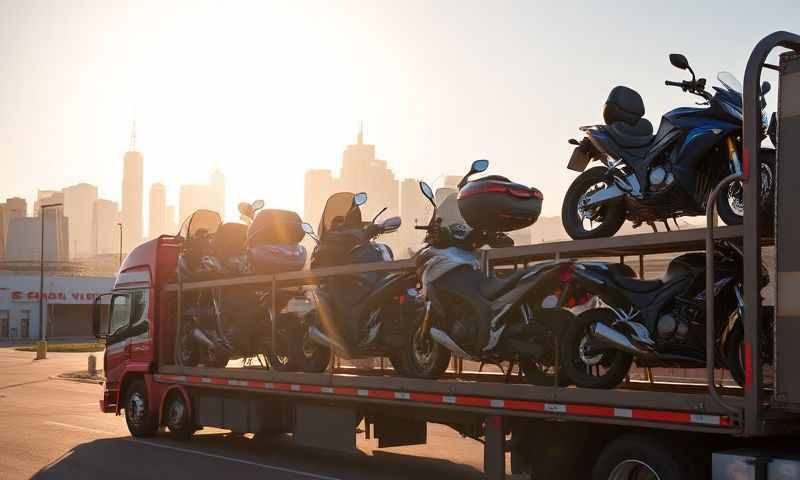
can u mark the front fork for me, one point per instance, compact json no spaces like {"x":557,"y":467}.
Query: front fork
{"x":733,"y":156}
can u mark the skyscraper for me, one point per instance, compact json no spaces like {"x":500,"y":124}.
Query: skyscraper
{"x":318,"y":185}
{"x":132,"y":196}
{"x":362,"y":172}
{"x":78,"y":208}
{"x":105,"y":232}
{"x":218,"y":191}
{"x":170,"y":225}
{"x":158,"y":211}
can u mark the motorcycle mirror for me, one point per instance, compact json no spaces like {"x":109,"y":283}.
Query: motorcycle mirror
{"x":246,"y":209}
{"x":391,"y":224}
{"x":765,"y":87}
{"x":427,"y":191}
{"x":678,"y":61}
{"x":308,"y":229}
{"x":258,"y":204}
{"x":479,"y":166}
{"x":360,"y":199}
{"x":572,"y":141}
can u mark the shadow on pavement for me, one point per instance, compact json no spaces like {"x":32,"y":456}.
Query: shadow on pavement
{"x":231,"y":456}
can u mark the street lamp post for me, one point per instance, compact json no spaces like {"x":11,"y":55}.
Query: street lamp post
{"x":119,"y":224}
{"x":42,"y":208}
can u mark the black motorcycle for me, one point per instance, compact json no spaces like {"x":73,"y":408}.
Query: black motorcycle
{"x":514,"y":318}
{"x":221,"y":324}
{"x":359,"y":315}
{"x":660,"y":323}
{"x":650,"y":178}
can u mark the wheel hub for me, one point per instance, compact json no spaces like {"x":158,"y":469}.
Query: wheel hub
{"x":175,"y":414}
{"x":633,"y":470}
{"x":422,"y":348}
{"x":585,"y":356}
{"x":136,"y":407}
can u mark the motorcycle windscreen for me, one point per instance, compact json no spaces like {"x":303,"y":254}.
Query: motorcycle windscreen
{"x":447,"y":207}
{"x":340,"y":210}
{"x":202,"y":222}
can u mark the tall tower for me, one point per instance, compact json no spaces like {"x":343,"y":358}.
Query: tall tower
{"x":132,"y":195}
{"x":158,"y":211}
{"x":217,"y":185}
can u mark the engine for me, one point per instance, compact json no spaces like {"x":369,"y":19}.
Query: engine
{"x":673,"y":326}
{"x":660,"y":178}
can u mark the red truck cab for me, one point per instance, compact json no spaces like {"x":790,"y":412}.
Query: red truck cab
{"x":128,"y":317}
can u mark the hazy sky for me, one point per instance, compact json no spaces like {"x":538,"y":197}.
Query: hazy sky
{"x":266,"y":90}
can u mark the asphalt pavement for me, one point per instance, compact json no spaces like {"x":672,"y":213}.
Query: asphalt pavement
{"x":53,"y":429}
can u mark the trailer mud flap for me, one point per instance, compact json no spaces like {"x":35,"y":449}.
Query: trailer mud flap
{"x":329,"y":428}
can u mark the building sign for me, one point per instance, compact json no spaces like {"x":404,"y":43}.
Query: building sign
{"x":54,"y":297}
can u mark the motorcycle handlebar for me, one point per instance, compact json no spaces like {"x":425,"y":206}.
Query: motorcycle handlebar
{"x":674,"y":84}
{"x":421,"y":227}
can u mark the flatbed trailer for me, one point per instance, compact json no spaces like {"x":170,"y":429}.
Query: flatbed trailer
{"x":551,"y":432}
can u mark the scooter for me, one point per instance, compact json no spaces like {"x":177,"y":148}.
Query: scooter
{"x":358,"y":315}
{"x":489,"y":319}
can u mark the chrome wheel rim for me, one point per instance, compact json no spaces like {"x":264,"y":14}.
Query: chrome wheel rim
{"x":136,"y":408}
{"x":423,"y":349}
{"x":592,"y":214}
{"x":633,"y":470}
{"x":175,"y":414}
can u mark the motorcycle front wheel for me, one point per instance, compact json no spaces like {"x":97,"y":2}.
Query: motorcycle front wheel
{"x":598,"y":222}
{"x":605,"y":368}
{"x":730,"y":200}
{"x":423,"y":357}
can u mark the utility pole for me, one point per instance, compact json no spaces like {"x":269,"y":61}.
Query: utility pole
{"x":119,"y":224}
{"x":42,"y":208}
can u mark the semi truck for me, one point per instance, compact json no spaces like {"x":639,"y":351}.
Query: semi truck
{"x":643,"y":429}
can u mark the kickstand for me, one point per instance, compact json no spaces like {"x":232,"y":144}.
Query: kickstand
{"x":480,"y":367}
{"x":653,"y":226}
{"x":510,"y":369}
{"x":675,"y":219}
{"x":666,"y":224}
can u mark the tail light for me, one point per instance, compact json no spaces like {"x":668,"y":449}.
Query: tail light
{"x":565,"y":276}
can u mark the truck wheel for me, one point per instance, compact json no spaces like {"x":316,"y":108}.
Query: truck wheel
{"x":141,"y":423}
{"x":603,"y":369}
{"x":643,"y":457}
{"x":177,"y":417}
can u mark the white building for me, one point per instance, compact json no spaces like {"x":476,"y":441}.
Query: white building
{"x":67,"y":305}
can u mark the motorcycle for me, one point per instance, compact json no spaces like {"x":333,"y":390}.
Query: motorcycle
{"x":659,"y":322}
{"x":225,"y":323}
{"x":490,"y":319}
{"x":358,"y":315}
{"x":650,"y":178}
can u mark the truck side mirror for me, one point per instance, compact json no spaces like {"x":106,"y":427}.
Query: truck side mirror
{"x":100,"y":320}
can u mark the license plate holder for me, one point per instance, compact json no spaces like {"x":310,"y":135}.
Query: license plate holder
{"x":578,"y":160}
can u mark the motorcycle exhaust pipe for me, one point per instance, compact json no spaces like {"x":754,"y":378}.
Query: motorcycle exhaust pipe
{"x":201,"y":337}
{"x":618,"y":340}
{"x":317,"y":336}
{"x":444,"y":340}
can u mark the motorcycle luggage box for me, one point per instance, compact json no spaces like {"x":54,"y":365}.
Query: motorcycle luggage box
{"x":496,"y":204}
{"x":578,"y":160}
{"x":275,"y":227}
{"x":276,"y":258}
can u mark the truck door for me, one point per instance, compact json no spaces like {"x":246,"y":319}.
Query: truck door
{"x":118,"y":340}
{"x":141,"y":344}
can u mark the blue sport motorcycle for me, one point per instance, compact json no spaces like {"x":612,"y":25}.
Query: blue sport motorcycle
{"x":649,"y":178}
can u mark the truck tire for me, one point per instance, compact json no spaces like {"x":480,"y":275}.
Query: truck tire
{"x":141,"y":422}
{"x":644,"y":457}
{"x":178,"y":418}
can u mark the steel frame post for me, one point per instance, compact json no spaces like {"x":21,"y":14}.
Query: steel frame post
{"x":751,"y":146}
{"x":494,"y":449}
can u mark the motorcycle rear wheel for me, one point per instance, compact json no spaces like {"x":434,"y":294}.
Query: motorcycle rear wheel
{"x":603,"y":370}
{"x":604,"y":220}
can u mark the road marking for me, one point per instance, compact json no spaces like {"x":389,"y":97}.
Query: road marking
{"x":232,"y":459}
{"x":76,"y":427}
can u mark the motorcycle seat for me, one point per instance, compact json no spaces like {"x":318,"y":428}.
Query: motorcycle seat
{"x":493,"y":287}
{"x":637,"y":285}
{"x":637,"y":135}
